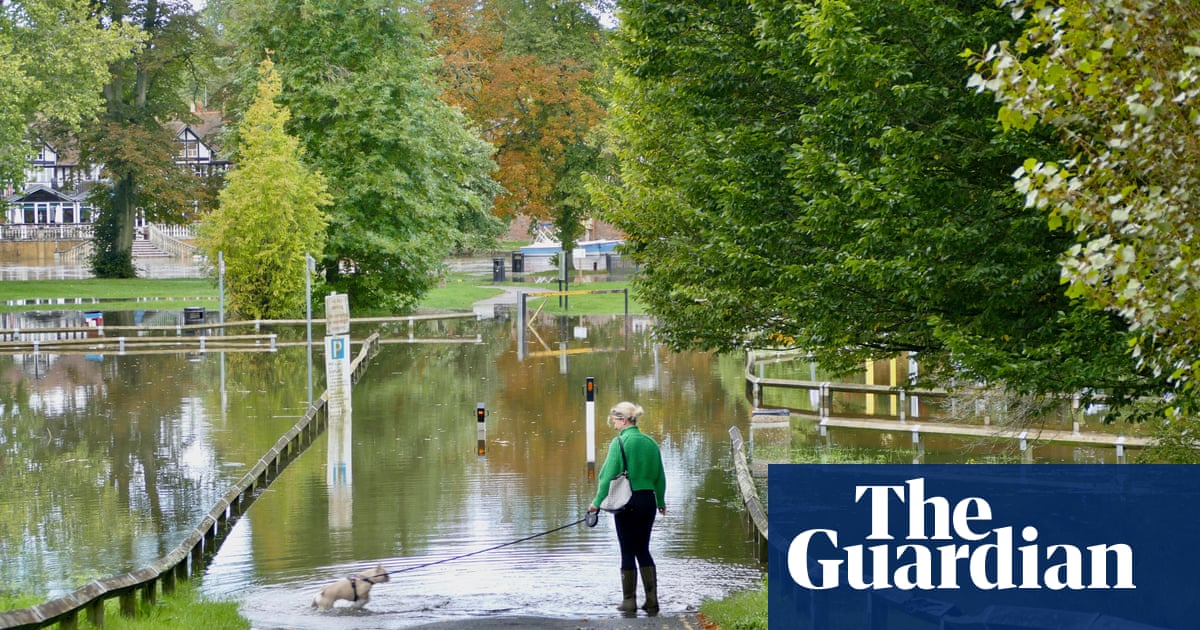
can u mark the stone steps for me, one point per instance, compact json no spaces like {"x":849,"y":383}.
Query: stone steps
{"x":146,"y":249}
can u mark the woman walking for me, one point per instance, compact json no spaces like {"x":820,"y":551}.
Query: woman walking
{"x":643,"y":460}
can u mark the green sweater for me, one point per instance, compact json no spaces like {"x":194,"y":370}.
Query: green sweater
{"x":645,"y":466}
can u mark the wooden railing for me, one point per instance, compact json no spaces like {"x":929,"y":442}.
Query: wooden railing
{"x":197,"y":549}
{"x":755,"y":511}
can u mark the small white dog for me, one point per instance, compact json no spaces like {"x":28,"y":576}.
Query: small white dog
{"x":355,"y":589}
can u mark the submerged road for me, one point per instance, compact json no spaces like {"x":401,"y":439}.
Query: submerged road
{"x":685,"y":621}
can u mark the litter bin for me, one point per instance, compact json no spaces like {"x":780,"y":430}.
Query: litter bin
{"x":193,"y":315}
{"x":518,"y":262}
{"x":497,"y":270}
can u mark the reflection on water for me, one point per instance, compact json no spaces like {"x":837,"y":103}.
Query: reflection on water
{"x":107,"y":461}
{"x":421,"y":494}
{"x":137,"y":448}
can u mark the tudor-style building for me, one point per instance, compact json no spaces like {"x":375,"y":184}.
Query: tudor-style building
{"x":195,"y":148}
{"x":56,"y":188}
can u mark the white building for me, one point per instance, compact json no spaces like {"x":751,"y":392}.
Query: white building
{"x":56,"y":188}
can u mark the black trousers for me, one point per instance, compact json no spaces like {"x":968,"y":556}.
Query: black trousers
{"x":633,"y":530}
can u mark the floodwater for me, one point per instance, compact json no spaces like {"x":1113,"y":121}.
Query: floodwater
{"x":106,"y":461}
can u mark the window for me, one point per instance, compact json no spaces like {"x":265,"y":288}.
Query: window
{"x":191,"y":150}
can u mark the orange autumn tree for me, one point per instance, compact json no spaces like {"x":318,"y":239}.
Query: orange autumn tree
{"x":525,"y":73}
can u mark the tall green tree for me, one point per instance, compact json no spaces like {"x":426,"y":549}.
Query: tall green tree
{"x":527,"y":73}
{"x":269,"y":217}
{"x":1120,"y":82}
{"x":817,"y":174}
{"x":130,"y":140}
{"x":405,"y":170}
{"x":54,"y":60}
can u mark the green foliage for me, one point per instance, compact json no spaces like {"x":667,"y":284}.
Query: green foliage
{"x":1120,"y":81}
{"x":183,"y":609}
{"x":108,"y":259}
{"x":818,"y":175}
{"x":528,"y":73}
{"x":53,"y":62}
{"x":744,"y":610}
{"x":269,"y":216}
{"x":138,"y":153}
{"x":404,"y":169}
{"x":14,"y":600}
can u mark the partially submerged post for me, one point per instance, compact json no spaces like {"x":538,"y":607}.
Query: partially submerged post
{"x":590,"y":414}
{"x":480,"y":430}
{"x":340,"y":475}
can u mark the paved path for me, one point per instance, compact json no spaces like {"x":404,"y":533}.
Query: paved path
{"x":684,"y":621}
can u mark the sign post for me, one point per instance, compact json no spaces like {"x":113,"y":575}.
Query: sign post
{"x":340,"y":474}
{"x":337,"y":352}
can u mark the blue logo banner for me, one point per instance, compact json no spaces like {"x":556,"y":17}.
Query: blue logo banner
{"x":974,"y":547}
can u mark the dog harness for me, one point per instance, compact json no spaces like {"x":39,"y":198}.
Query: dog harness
{"x":354,"y":585}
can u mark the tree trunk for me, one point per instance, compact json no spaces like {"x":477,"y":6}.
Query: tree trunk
{"x":113,"y":235}
{"x":125,"y":209}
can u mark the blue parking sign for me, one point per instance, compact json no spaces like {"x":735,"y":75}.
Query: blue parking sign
{"x":337,"y":347}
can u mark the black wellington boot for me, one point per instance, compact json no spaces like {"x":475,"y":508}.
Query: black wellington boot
{"x":650,"y":583}
{"x":628,"y":591}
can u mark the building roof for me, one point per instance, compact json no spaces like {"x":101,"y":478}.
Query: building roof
{"x":209,"y":129}
{"x":41,"y":192}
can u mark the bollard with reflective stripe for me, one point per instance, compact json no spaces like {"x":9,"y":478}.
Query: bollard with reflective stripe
{"x":481,"y":430}
{"x":590,"y":410}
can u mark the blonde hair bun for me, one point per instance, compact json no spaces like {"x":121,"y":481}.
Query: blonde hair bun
{"x":628,"y":410}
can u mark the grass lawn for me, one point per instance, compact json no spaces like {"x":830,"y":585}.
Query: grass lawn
{"x":744,"y":610}
{"x":598,"y":304}
{"x":184,"y":608}
{"x":460,"y":293}
{"x":115,"y":295}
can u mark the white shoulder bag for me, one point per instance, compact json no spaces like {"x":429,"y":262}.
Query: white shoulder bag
{"x":619,"y":490}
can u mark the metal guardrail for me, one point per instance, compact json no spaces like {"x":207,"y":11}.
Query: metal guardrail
{"x":902,"y":422}
{"x":197,"y":549}
{"x":755,"y":511}
{"x":44,"y":333}
{"x":826,"y":388}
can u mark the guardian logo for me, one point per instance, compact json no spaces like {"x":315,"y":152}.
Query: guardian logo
{"x":913,"y":565}
{"x":983,"y":546}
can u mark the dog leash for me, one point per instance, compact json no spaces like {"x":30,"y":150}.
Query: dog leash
{"x":587,"y":517}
